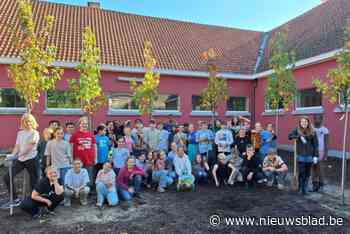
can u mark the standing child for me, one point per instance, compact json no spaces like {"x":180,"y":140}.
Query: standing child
{"x":192,"y":148}
{"x":70,"y":129}
{"x":84,"y":146}
{"x":119,"y":155}
{"x":58,"y":153}
{"x":46,"y":137}
{"x":103,"y":145}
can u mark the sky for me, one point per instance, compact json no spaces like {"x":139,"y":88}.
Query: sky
{"x":259,"y":15}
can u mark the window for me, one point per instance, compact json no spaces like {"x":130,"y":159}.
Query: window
{"x":167,"y":102}
{"x":9,"y":98}
{"x":341,"y":101}
{"x":237,"y":104}
{"x":268,"y":106}
{"x":196,"y":104}
{"x":309,"y":98}
{"x":121,"y":101}
{"x":57,"y":99}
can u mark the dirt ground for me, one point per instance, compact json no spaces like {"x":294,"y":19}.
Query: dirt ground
{"x":173,"y":212}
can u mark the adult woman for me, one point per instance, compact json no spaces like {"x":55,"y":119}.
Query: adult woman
{"x":25,"y":151}
{"x":307,"y":150}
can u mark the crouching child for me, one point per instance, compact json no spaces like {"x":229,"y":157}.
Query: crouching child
{"x":46,"y":196}
{"x":251,"y":167}
{"x":275,"y":169}
{"x":76,"y":184}
{"x":183,"y":171}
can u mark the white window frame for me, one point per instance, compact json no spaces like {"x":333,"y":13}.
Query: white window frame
{"x":12,"y":110}
{"x":61,"y":111}
{"x":309,"y":109}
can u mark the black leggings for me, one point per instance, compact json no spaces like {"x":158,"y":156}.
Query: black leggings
{"x":304,"y":175}
{"x":32,"y":207}
{"x":32,"y":167}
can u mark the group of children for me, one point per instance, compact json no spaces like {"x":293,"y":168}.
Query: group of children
{"x":118,"y":161}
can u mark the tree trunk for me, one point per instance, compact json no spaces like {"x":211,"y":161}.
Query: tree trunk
{"x":276,"y":125}
{"x":344,"y":150}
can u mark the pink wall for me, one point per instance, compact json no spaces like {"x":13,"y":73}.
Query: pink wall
{"x":184,"y":87}
{"x":304,"y":77}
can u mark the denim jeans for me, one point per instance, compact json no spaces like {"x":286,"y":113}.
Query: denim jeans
{"x":63,"y":172}
{"x":163,"y":178}
{"x":135,"y":183}
{"x":103,"y":193}
{"x":304,"y":175}
{"x":277,"y":176}
{"x":201,"y":176}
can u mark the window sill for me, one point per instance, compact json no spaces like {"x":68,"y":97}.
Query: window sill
{"x":202,"y":113}
{"x":273,"y":112}
{"x":123,"y":113}
{"x":166,"y":113}
{"x":308,"y":110}
{"x":12,"y":111}
{"x":63,"y":111}
{"x":340,"y":109}
{"x":237,"y":113}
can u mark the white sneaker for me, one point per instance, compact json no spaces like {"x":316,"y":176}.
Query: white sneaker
{"x":280,"y":186}
{"x":269,"y":183}
{"x":161,"y":190}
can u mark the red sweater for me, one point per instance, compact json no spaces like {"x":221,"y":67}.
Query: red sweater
{"x":124,"y":176}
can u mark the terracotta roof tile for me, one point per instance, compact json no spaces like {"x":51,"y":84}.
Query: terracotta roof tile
{"x":318,"y":31}
{"x":120,"y":36}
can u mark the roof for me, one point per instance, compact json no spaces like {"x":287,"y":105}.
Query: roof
{"x":318,"y":31}
{"x":177,"y":45}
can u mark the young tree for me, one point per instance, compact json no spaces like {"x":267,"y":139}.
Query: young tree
{"x":146,"y":94}
{"x":337,"y":87}
{"x":217,"y":90}
{"x":35,"y":73}
{"x":281,"y":86}
{"x":87,"y":89}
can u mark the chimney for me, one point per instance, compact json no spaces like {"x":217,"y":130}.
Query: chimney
{"x":93,"y":4}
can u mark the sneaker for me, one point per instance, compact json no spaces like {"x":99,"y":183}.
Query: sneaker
{"x":67,"y":203}
{"x":138,"y":195}
{"x":280,"y":186}
{"x":15,"y":203}
{"x":260,"y":181}
{"x":231,"y":182}
{"x":161,"y":190}
{"x":270,"y":183}
{"x":148,"y":186}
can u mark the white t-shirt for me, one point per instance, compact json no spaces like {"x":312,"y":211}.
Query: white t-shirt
{"x":321,"y":132}
{"x":24,"y":139}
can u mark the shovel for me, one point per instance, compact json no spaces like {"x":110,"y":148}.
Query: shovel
{"x":294,"y":180}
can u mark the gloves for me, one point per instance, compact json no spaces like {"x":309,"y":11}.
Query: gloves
{"x":315,"y":160}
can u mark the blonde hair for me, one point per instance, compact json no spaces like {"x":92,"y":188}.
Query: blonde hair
{"x":48,"y":131}
{"x":28,"y":121}
{"x":50,"y":168}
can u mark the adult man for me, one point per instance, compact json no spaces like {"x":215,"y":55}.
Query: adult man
{"x":46,"y":196}
{"x":274,"y":169}
{"x":76,"y":184}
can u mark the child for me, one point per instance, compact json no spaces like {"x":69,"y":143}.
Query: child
{"x":105,"y":186}
{"x":251,"y":167}
{"x":200,"y":169}
{"x":84,"y":146}
{"x":129,"y":180}
{"x":183,"y":170}
{"x":46,"y":137}
{"x":275,"y":169}
{"x":146,"y":165}
{"x":223,"y":171}
{"x":192,"y":149}
{"x":103,"y":145}
{"x":160,"y":174}
{"x":70,"y":129}
{"x":58,"y":153}
{"x":119,"y":155}
{"x":236,"y":162}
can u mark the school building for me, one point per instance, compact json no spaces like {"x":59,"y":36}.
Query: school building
{"x":243,"y":56}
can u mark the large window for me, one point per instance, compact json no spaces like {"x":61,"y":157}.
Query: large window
{"x":196,"y":104}
{"x":56,"y":99}
{"x":124,"y":101}
{"x":9,"y":98}
{"x":309,"y":98}
{"x":237,"y":104}
{"x":167,"y":102}
{"x":121,"y":101}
